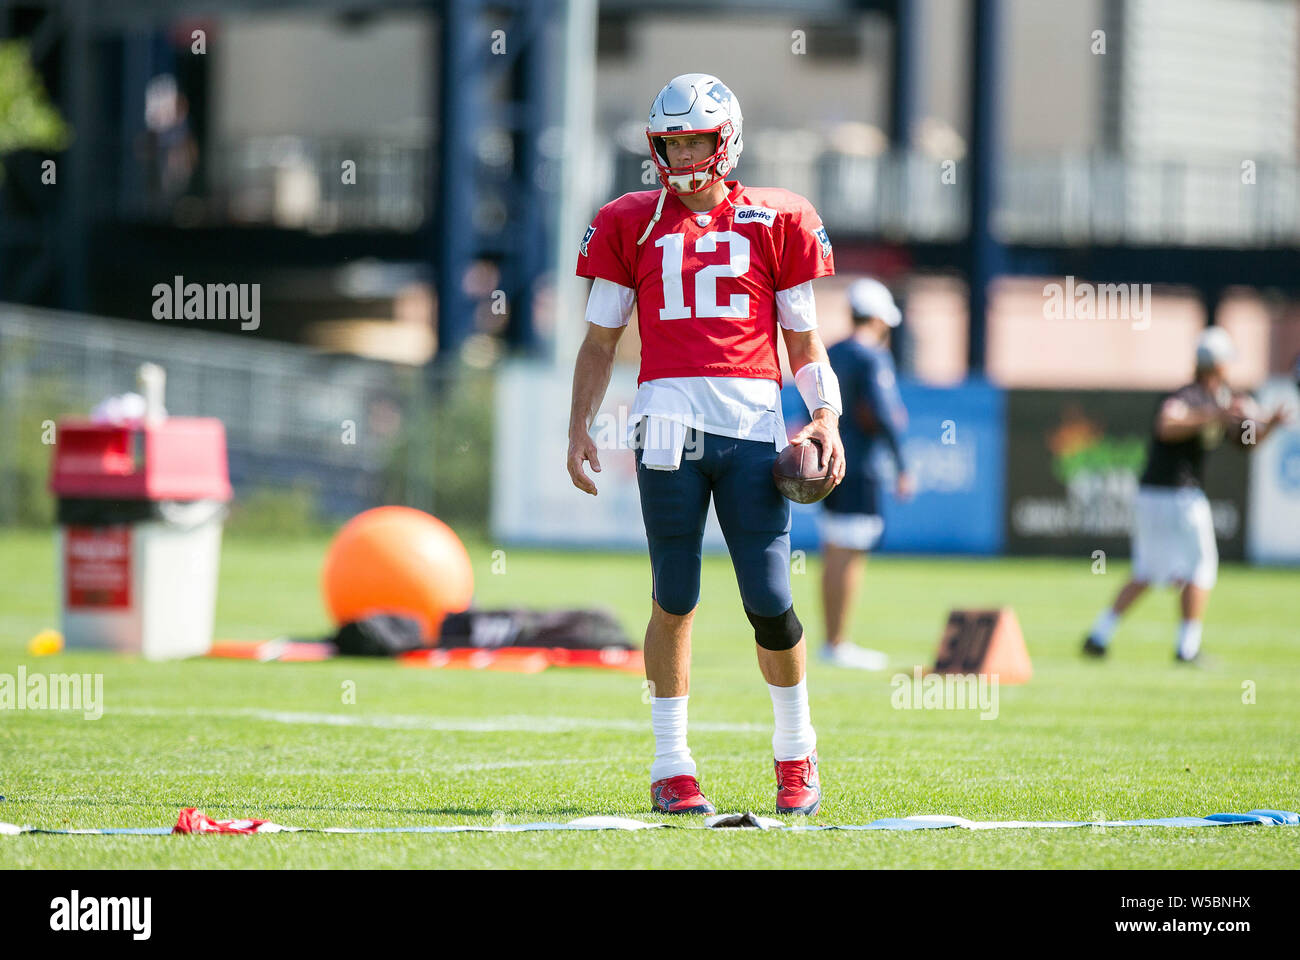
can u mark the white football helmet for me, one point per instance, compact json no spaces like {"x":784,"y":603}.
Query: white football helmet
{"x":695,"y":103}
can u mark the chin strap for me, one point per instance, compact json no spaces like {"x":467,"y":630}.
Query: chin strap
{"x":659,"y":209}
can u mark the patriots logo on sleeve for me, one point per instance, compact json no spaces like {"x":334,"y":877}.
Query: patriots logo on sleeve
{"x":825,"y":241}
{"x":586,"y":239}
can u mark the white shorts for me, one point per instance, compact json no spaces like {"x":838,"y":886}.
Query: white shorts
{"x":852,"y":531}
{"x":1173,"y":537}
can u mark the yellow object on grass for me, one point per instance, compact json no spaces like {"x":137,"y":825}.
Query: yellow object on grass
{"x":45,"y":643}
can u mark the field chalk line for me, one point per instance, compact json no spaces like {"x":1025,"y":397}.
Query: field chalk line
{"x":515,"y":723}
{"x":719,"y":821}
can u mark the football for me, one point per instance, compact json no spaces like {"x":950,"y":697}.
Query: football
{"x":801,"y":474}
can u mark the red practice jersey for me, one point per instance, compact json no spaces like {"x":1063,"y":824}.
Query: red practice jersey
{"x":706,"y":283}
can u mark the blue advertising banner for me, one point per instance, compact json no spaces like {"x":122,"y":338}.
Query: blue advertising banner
{"x":955,"y":448}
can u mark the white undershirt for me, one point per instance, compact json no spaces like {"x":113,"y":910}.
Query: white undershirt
{"x":747,"y":408}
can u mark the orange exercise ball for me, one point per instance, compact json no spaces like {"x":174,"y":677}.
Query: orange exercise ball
{"x":397,"y":560}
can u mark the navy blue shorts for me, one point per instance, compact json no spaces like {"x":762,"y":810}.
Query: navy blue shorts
{"x":754,"y":517}
{"x":857,"y":493}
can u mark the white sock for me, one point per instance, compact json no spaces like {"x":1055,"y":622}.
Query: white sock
{"x":1189,"y":638}
{"x":794,"y":738}
{"x":1104,"y":626}
{"x":672,"y":756}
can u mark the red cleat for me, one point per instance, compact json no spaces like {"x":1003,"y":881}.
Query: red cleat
{"x":798,"y":785}
{"x":679,"y":794}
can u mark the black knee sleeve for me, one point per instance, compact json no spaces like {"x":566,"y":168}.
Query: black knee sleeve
{"x":782,"y":632}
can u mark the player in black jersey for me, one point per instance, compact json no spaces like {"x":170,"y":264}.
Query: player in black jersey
{"x":1173,"y":533}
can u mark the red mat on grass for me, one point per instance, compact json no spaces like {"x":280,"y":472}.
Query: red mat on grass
{"x":507,"y":659}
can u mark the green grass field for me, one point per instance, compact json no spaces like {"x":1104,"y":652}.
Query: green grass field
{"x":1137,"y":736}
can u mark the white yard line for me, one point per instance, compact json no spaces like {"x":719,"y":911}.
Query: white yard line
{"x":435,"y":767}
{"x":514,"y":723}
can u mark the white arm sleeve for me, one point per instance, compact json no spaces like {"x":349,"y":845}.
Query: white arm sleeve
{"x":610,"y":304}
{"x":819,"y":387}
{"x":796,"y":309}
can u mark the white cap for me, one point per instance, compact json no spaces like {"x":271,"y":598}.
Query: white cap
{"x":1214,"y":348}
{"x":871,"y":298}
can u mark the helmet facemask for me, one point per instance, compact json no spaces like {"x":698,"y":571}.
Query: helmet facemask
{"x":695,"y":177}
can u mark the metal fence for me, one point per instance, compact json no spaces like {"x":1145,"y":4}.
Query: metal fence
{"x":1070,"y":197}
{"x":1106,"y":198}
{"x":303,"y":182}
{"x":350,"y":432}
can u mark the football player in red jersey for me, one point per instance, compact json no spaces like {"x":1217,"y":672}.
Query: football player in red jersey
{"x":714,"y":269}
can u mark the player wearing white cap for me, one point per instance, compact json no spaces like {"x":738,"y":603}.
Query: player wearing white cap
{"x":1173,"y":532}
{"x":850,"y":522}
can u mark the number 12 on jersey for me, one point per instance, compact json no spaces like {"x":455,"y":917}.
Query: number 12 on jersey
{"x":706,"y":278}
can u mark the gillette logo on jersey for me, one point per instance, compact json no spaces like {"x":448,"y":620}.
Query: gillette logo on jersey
{"x":762,"y":215}
{"x":706,"y":283}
